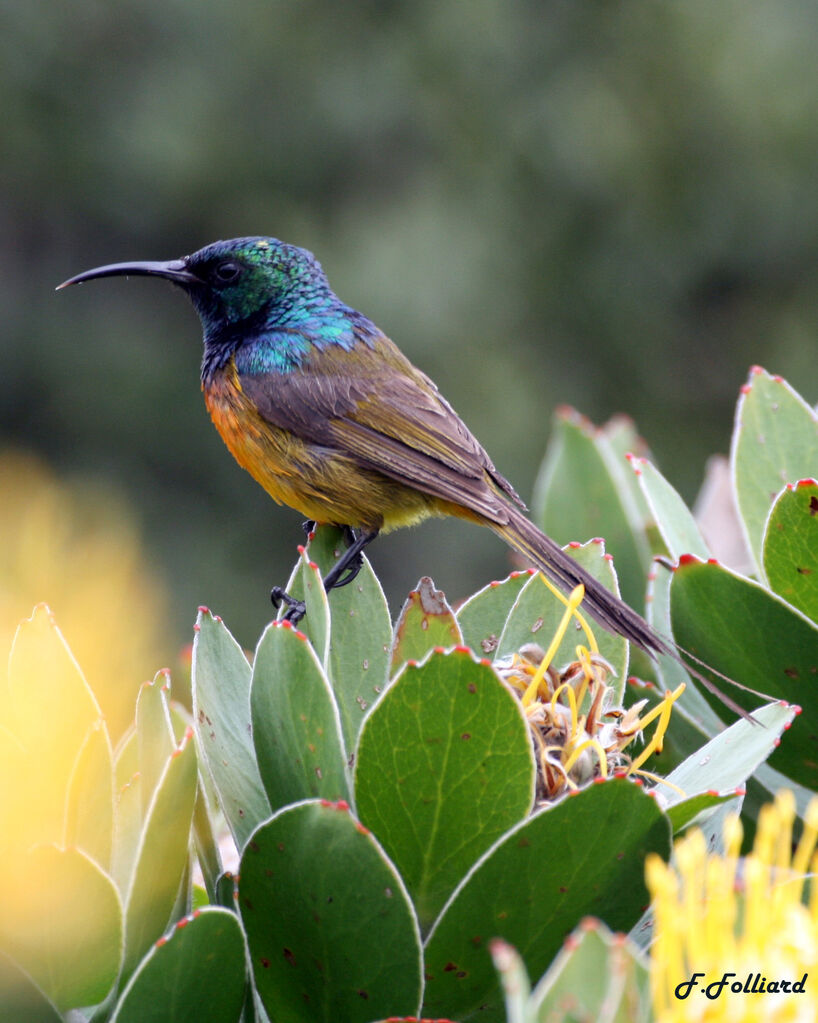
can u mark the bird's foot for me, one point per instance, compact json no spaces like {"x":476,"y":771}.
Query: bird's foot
{"x":342,"y":573}
{"x":308,"y":525}
{"x":296,"y":609}
{"x":351,"y":561}
{"x":351,"y":571}
{"x":351,"y":567}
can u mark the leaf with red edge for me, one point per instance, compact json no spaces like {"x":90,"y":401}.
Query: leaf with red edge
{"x":330,"y":929}
{"x":774,"y":443}
{"x":296,"y":724}
{"x":583,"y":856}
{"x":791,"y":546}
{"x":195,"y":974}
{"x":426,"y":621}
{"x":444,"y":767}
{"x":62,"y":923}
{"x":749,"y":634}
{"x":221,"y":708}
{"x":360,"y":633}
{"x":483,"y":616}
{"x":584,"y":489}
{"x":162,"y":854}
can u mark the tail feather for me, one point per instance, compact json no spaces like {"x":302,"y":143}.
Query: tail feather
{"x":612,"y":613}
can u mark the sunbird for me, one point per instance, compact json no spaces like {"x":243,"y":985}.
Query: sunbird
{"x":329,"y":416}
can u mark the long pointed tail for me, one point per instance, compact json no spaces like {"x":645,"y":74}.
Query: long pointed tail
{"x":611,"y":612}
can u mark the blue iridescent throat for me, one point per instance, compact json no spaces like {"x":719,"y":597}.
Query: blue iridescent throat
{"x":282,"y":343}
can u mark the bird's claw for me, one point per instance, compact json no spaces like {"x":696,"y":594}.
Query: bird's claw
{"x":296,"y":609}
{"x":345,"y":569}
{"x":351,"y":571}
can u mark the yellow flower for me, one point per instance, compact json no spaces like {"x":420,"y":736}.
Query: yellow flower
{"x":735,"y":940}
{"x":577,"y":734}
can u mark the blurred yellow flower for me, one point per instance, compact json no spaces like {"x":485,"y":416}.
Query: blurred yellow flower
{"x":77,"y":549}
{"x":735,"y":940}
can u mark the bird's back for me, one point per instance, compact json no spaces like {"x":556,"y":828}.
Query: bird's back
{"x":353,"y":435}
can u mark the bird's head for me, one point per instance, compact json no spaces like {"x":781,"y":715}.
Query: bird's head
{"x":256,"y":294}
{"x":236,"y":284}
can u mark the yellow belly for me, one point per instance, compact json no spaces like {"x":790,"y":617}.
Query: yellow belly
{"x":321,"y":483}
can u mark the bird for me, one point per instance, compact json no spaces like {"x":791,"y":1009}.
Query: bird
{"x":329,"y":416}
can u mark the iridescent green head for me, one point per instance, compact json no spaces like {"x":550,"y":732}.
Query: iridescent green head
{"x":252,"y":279}
{"x":252,"y":292}
{"x":234,"y":280}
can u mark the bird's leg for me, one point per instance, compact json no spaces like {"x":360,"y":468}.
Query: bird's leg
{"x":342,"y":572}
{"x":351,"y":561}
{"x":296,"y":609}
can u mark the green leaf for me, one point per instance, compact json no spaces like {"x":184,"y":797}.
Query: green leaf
{"x":426,"y":621}
{"x":207,"y":848}
{"x":537,"y":613}
{"x":199,"y":898}
{"x":514,"y":980}
{"x":727,"y":760}
{"x":443,"y":768}
{"x":180,"y":718}
{"x":585,"y":855}
{"x":693,"y":721}
{"x":62,"y":923}
{"x":774,"y":443}
{"x":296,"y":725}
{"x":330,"y":928}
{"x":307,"y":583}
{"x":127,"y":829}
{"x":671,"y":671}
{"x":772,"y":781}
{"x":625,"y":442}
{"x":675,"y":521}
{"x":359,"y":648}
{"x":162,"y":855}
{"x":154,"y":733}
{"x":226,"y":889}
{"x":791,"y":546}
{"x":48,"y":695}
{"x":89,"y":814}
{"x":126,"y":757}
{"x":221,"y":708}
{"x":582,"y":491}
{"x":20,"y":998}
{"x":196,"y":974}
{"x":360,"y":635}
{"x":685,"y":812}
{"x":483,"y":616}
{"x":596,"y":976}
{"x":49,"y":712}
{"x":752,"y":636}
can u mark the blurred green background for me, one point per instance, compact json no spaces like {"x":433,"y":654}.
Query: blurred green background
{"x":607,"y":205}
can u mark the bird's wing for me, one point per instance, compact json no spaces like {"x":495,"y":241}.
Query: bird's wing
{"x":371,"y":403}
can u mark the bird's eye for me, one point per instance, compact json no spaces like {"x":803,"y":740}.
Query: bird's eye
{"x":226,"y":273}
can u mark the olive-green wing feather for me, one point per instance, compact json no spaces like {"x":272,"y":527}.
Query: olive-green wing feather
{"x":372,"y":404}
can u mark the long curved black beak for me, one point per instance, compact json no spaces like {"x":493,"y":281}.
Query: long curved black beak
{"x":175,"y":270}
